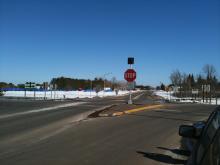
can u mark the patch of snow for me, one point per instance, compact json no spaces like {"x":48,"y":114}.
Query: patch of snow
{"x":168,"y":96}
{"x":165,"y":95}
{"x":63,"y":94}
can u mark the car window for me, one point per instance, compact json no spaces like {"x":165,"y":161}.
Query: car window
{"x":212,"y":156}
{"x":215,"y":150}
{"x":210,"y":131}
{"x":213,"y":126}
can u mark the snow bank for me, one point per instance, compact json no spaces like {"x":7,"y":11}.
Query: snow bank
{"x":165,"y":95}
{"x":168,"y":96}
{"x":63,"y":94}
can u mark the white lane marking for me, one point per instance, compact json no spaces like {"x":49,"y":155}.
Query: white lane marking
{"x":41,"y":110}
{"x":138,"y":96}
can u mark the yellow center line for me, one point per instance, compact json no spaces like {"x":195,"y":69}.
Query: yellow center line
{"x":143,"y":108}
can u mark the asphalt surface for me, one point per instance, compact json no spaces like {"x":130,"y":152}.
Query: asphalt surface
{"x":54,"y":137}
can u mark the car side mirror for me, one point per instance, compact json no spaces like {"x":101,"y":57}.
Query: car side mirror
{"x":187,"y":131}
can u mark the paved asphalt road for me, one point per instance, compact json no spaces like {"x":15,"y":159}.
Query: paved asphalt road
{"x":50,"y":137}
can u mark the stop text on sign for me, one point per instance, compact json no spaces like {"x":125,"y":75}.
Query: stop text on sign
{"x":130,"y":75}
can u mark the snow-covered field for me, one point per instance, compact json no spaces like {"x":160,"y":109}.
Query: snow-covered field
{"x":63,"y":94}
{"x":165,"y":95}
{"x":168,"y":96}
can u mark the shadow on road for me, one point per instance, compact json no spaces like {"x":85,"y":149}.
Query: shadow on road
{"x":176,"y":151}
{"x":162,"y":158}
{"x":180,"y":156}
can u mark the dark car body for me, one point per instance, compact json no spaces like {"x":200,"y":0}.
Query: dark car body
{"x":206,"y":136}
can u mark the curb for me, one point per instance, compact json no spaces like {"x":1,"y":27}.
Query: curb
{"x":97,"y":112}
{"x":120,"y":113}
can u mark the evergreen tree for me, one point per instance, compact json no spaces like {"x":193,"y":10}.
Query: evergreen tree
{"x":162,"y":87}
{"x":192,"y":81}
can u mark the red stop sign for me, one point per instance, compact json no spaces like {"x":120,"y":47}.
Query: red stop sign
{"x":130,"y":75}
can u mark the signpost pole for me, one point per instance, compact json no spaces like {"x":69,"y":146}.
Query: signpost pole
{"x":44,"y":86}
{"x":215,"y":96}
{"x":51,"y":94}
{"x":45,"y":94}
{"x":170,"y":95}
{"x":130,"y":98}
{"x":104,"y":88}
{"x":203,"y":93}
{"x":34,"y":94}
{"x":130,"y":76}
{"x":210,"y":94}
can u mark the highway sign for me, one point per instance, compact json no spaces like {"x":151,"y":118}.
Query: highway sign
{"x":206,"y":88}
{"x":130,"y":75}
{"x":30,"y":85}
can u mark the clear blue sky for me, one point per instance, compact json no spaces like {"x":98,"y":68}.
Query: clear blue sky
{"x":41,"y":39}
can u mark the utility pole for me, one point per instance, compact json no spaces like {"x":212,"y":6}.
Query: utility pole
{"x":91,"y":88}
{"x":104,"y":82}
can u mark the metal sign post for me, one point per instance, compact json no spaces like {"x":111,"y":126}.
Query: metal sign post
{"x":206,"y":89}
{"x":31,"y":86}
{"x":130,"y":76}
{"x":130,"y":98}
{"x":45,"y":86}
{"x":195,"y":93}
{"x":51,"y":91}
{"x":55,"y":88}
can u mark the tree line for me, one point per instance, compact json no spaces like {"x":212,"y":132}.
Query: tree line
{"x":188,"y":82}
{"x":65,"y":83}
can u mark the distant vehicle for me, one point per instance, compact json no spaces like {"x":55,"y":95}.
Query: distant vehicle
{"x":206,"y":138}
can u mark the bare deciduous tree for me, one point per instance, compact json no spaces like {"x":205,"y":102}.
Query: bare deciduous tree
{"x":176,"y":78}
{"x":114,"y":83}
{"x":210,"y":71}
